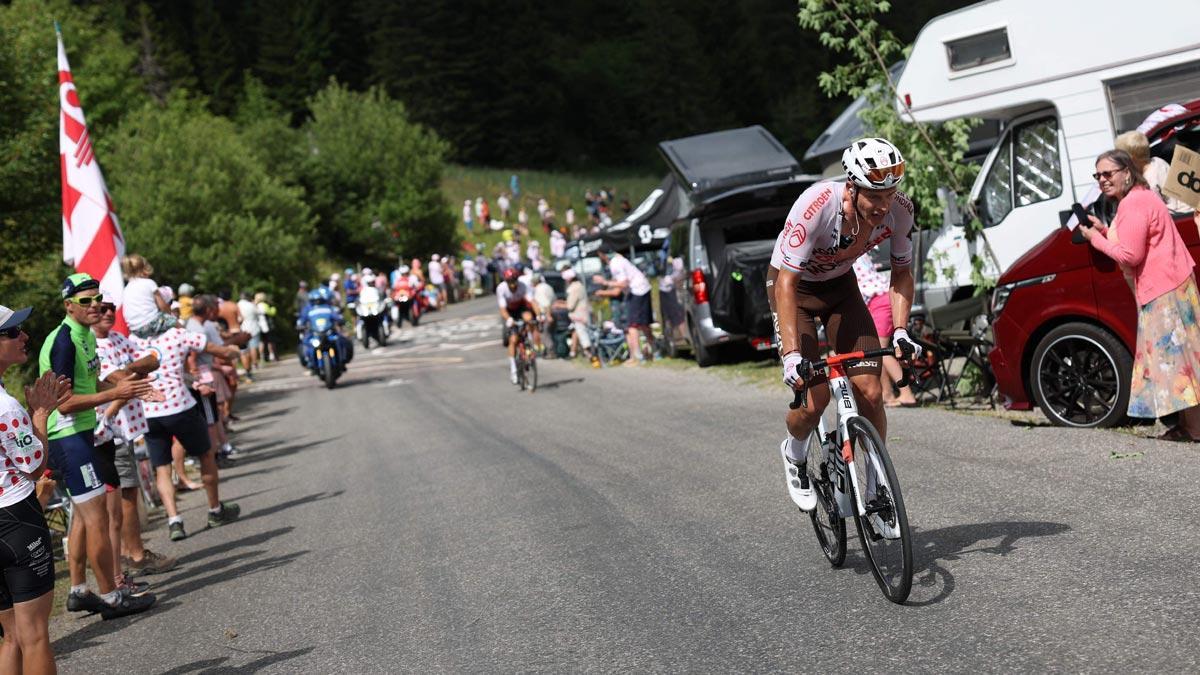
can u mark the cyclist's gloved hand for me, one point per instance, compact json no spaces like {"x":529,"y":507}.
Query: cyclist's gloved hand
{"x":508,"y":323}
{"x":907,"y":346}
{"x":793,"y":364}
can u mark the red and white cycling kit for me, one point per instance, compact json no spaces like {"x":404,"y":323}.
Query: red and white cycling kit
{"x":515,"y":301}
{"x":809,"y":241}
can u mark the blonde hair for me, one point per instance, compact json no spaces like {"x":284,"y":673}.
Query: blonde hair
{"x":1137,"y":145}
{"x":134,"y":265}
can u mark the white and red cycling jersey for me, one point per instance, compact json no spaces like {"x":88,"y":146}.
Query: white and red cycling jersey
{"x":514,"y":301}
{"x":809,"y":241}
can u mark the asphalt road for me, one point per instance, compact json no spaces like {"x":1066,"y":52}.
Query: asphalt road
{"x":426,"y":517}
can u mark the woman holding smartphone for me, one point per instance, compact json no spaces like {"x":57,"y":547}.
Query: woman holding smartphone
{"x":1145,"y":242}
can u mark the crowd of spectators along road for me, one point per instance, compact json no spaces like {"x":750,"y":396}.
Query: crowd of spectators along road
{"x":104,"y":401}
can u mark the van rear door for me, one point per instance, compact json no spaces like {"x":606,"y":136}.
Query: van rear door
{"x":709,"y":163}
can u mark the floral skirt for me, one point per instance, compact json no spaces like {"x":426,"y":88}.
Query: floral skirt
{"x":1166,"y":369}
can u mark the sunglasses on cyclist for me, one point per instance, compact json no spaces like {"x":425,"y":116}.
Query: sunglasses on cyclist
{"x":1106,"y":175}
{"x":85,"y":300}
{"x":11,"y":333}
{"x":890,"y":175}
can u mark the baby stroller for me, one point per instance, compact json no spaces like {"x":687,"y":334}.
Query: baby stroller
{"x":609,"y":343}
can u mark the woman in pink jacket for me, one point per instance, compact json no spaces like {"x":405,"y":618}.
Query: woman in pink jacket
{"x":1144,"y":241}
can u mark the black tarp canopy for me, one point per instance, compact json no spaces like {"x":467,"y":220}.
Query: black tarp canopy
{"x":649,"y":225}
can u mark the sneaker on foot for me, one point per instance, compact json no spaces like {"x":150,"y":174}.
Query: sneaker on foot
{"x":134,"y":588}
{"x":151,"y":563}
{"x":799,"y":487}
{"x":84,"y":602}
{"x":177,"y":531}
{"x":233,"y":452}
{"x":229,"y":512}
{"x":127,"y":604}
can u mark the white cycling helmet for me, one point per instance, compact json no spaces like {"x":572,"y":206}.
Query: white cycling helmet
{"x":873,"y":163}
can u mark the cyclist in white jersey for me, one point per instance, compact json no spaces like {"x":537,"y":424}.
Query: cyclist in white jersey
{"x":830,"y":226}
{"x":516,"y":300}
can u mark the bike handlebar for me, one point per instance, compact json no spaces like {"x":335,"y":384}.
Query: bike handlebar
{"x":815,"y":367}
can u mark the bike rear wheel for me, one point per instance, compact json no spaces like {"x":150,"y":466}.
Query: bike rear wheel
{"x":884,"y":532}
{"x":827,"y":523}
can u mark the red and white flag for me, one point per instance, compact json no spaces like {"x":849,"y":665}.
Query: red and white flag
{"x":92,"y":239}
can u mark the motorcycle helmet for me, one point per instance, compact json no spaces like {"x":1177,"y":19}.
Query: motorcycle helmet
{"x":314,"y":297}
{"x":873,"y":163}
{"x":404,"y":269}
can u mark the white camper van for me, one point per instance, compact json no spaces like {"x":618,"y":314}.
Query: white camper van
{"x":1064,"y":78}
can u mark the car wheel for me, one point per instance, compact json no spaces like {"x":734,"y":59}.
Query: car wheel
{"x":1080,"y":376}
{"x":705,"y":356}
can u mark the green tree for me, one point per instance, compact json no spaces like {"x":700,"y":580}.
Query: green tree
{"x":934,"y":152}
{"x":374,"y":177}
{"x":202,"y":205}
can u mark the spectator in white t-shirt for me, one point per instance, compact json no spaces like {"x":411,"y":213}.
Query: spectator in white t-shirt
{"x":251,"y":326}
{"x":437,"y":277}
{"x":503,"y":204}
{"x":147,"y":312}
{"x":627,"y":278}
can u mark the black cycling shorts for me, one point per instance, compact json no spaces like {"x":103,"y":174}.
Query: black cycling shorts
{"x":26,"y":554}
{"x":848,"y":324}
{"x":84,"y":468}
{"x":188,"y":426}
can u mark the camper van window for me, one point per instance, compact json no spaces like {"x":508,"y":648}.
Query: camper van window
{"x":996,"y":197}
{"x":978,"y":50}
{"x":1132,"y":98}
{"x":1037,"y":172}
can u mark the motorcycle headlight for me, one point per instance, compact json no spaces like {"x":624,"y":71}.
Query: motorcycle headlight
{"x":315,"y":342}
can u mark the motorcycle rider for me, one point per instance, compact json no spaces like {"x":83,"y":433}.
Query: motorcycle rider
{"x":515,"y":296}
{"x":369,"y":297}
{"x":320,"y":307}
{"x":403,"y":295}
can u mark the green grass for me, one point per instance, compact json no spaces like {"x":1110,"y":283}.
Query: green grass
{"x":560,"y":189}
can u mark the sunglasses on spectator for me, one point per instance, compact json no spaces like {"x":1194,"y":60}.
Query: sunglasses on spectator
{"x":105,"y":308}
{"x":1106,"y":175}
{"x":11,"y":333}
{"x":85,"y":300}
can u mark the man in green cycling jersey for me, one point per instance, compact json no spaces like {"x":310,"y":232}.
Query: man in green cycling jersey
{"x":70,"y":351}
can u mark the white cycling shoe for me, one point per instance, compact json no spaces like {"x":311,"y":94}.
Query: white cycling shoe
{"x":798,"y":484}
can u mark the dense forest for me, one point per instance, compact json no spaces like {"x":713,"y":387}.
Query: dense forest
{"x":516,"y":82}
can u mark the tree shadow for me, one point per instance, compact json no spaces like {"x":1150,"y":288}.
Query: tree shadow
{"x":252,"y":540}
{"x":215,"y":667}
{"x":94,"y":633}
{"x":283,"y":506}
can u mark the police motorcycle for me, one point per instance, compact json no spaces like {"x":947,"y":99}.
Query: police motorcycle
{"x":325,"y":351}
{"x":372,"y":314}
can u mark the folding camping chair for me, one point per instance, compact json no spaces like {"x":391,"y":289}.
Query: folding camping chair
{"x":962,"y":330}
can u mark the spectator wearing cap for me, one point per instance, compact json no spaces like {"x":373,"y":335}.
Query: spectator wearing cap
{"x":121,"y":423}
{"x":26,"y":558}
{"x":70,"y":351}
{"x":627,"y":280}
{"x":185,"y":301}
{"x":177,"y":416}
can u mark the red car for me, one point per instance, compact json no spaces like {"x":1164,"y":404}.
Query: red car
{"x":1064,"y":319}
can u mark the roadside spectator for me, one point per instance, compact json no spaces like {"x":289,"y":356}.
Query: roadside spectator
{"x":485,"y":212}
{"x":579,"y":309}
{"x":122,"y":423}
{"x":470,"y":276}
{"x":27,"y":558}
{"x":533,"y":253}
{"x":301,"y":297}
{"x":249,"y":311}
{"x":1145,"y":242}
{"x":229,"y":312}
{"x":543,"y":292}
{"x":570,"y":216}
{"x":1154,"y":169}
{"x":479,"y":210}
{"x":266,"y":325}
{"x":437,"y":277}
{"x":185,"y":301}
{"x":542,"y":207}
{"x":210,"y":383}
{"x":873,"y":286}
{"x":469,"y":216}
{"x":628,"y":279}
{"x":502,"y":203}
{"x":70,"y":351}
{"x":350,"y":286}
{"x":419,"y":273}
{"x":673,"y":318}
{"x":523,"y":218}
{"x":178,"y":416}
{"x":558,"y":244}
{"x":514,"y":186}
{"x":147,"y":312}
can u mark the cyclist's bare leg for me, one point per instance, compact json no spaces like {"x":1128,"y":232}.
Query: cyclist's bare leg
{"x":801,"y":421}
{"x":868,"y":393}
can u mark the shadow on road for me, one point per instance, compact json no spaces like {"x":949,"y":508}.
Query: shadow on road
{"x":558,"y":383}
{"x":933,"y":582}
{"x":214,"y":667}
{"x":252,"y":540}
{"x":283,"y":506}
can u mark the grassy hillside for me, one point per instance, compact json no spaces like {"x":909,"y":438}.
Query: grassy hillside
{"x":559,"y":189}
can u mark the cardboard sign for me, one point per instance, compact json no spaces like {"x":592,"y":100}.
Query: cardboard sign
{"x":1183,"y":178}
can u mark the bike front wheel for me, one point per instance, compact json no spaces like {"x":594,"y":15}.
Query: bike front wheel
{"x":883,"y":529}
{"x":828,"y":524}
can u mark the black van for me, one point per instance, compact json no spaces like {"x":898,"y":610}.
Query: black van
{"x":741,"y":184}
